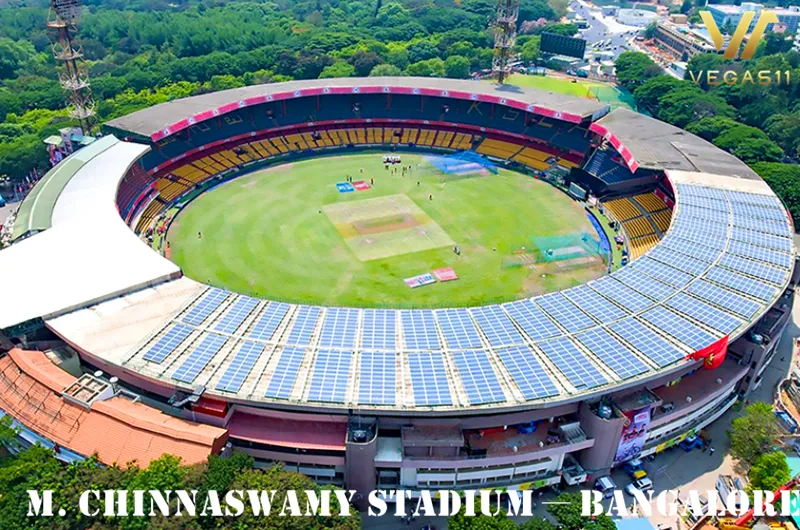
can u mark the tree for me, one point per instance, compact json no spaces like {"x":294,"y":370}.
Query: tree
{"x":429,"y":68}
{"x":422,"y":51}
{"x":634,"y":68}
{"x":769,"y":472}
{"x":537,"y":523}
{"x":701,"y":63}
{"x":754,"y":433}
{"x":530,"y":50}
{"x":784,"y":129}
{"x":386,"y":70}
{"x":784,"y":179}
{"x":710,"y":128}
{"x":568,"y":515}
{"x":731,"y":137}
{"x":364,"y":62}
{"x":650,"y":30}
{"x":651,"y":91}
{"x":690,"y":104}
{"x":456,"y":67}
{"x":338,"y":69}
{"x":480,"y":522}
{"x":561,"y":29}
{"x":752,"y":150}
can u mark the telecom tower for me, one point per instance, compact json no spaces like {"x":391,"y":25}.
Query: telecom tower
{"x":505,"y":35}
{"x":63,"y":19}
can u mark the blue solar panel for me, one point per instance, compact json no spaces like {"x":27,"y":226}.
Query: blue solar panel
{"x":693,"y":190}
{"x":532,"y":319}
{"x":701,"y":236}
{"x":572,"y":363}
{"x":612,"y":352}
{"x":761,"y":239}
{"x":479,"y":380}
{"x":740,"y":283}
{"x":594,"y":304}
{"x":305,"y":321}
{"x":769,"y":226}
{"x":419,"y":330}
{"x":724,"y":298}
{"x":761,"y":254}
{"x":207,"y":305}
{"x":690,"y":248}
{"x":376,"y":380}
{"x":564,"y":312}
{"x":620,"y":293}
{"x":705,"y":313}
{"x":379,"y":330}
{"x":766,"y":201}
{"x":285,"y":374}
{"x":339,"y":328}
{"x":663,"y":273}
{"x":496,"y":325}
{"x":706,"y":214}
{"x":429,"y":379}
{"x":236,"y":315}
{"x":527,"y":372}
{"x":199,"y":358}
{"x":647,"y":342}
{"x":644,"y":284}
{"x":268,"y":322}
{"x":330,"y":377}
{"x":679,"y":261}
{"x":167,"y":343}
{"x":240,"y":367}
{"x":678,"y":327}
{"x":458,"y":330}
{"x":757,"y":212}
{"x":753,"y":268}
{"x":705,"y":202}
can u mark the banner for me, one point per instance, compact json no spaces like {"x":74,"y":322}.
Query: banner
{"x":633,"y":434}
{"x":419,"y":281}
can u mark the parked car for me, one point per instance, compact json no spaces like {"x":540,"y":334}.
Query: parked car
{"x":635,"y":468}
{"x":641,"y":484}
{"x":606,"y":486}
{"x":691,"y":442}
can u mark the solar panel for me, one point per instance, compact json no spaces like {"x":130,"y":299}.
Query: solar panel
{"x":528,"y":374}
{"x":429,"y":379}
{"x":647,"y":342}
{"x":268,"y":322}
{"x":207,"y":305}
{"x":532,"y":319}
{"x":686,"y":226}
{"x":753,"y":268}
{"x":778,"y":228}
{"x":644,"y":284}
{"x":706,"y":202}
{"x":458,"y":330}
{"x":339,"y":328}
{"x":167,"y":343}
{"x":199,"y":358}
{"x":240,"y":367}
{"x":748,"y":210}
{"x":702,"y":312}
{"x":694,"y":190}
{"x":419,"y":330}
{"x":723,"y":298}
{"x":761,"y":254}
{"x":716,"y":216}
{"x":690,"y":248}
{"x":612,"y":352}
{"x":330,"y":377}
{"x":740,"y":283}
{"x":499,"y":329}
{"x":285,"y":373}
{"x":479,"y":380}
{"x":236,"y":315}
{"x":572,"y":363}
{"x":305,"y":321}
{"x":701,"y":236}
{"x":564,"y":312}
{"x":678,"y":327}
{"x":662,"y":272}
{"x":678,"y":260}
{"x":757,"y":199}
{"x":620,"y":293}
{"x":761,"y":239}
{"x":376,"y":383}
{"x":379,"y":330}
{"x":594,"y":304}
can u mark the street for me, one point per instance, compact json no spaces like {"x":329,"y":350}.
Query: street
{"x":603,"y":28}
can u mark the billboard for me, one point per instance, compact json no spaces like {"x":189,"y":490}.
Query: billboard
{"x":633,"y":434}
{"x":562,"y":45}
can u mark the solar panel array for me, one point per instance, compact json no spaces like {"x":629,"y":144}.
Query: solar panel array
{"x":724,"y":259}
{"x":480,"y":382}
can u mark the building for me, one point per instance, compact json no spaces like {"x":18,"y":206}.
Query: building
{"x":555,"y":388}
{"x":636,"y":17}
{"x":682,"y":42}
{"x":729,"y":16}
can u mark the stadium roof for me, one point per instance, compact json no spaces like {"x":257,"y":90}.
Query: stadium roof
{"x":658,"y":145}
{"x":151,"y":122}
{"x":88,"y":254}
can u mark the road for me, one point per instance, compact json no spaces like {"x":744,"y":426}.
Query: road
{"x":604,"y":28}
{"x":673,"y":469}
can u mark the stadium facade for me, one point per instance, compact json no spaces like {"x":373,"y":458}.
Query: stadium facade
{"x":559,"y":387}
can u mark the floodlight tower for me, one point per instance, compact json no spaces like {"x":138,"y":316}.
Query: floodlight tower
{"x":505,"y":36}
{"x":63,"y":20}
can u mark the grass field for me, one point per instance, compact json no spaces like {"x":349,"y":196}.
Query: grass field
{"x":606,"y":93}
{"x":287,"y":233}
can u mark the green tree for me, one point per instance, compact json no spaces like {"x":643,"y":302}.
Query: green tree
{"x":784,"y":179}
{"x":784,"y":129}
{"x":364,"y":62}
{"x":480,"y":522}
{"x":754,"y":433}
{"x":710,"y":128}
{"x":769,"y":472}
{"x":651,"y":91}
{"x":561,"y":29}
{"x":568,"y":515}
{"x":650,"y":30}
{"x":537,"y":523}
{"x":338,"y":69}
{"x":530,"y":50}
{"x":386,"y":70}
{"x":429,"y":68}
{"x":456,"y":67}
{"x":634,"y":68}
{"x":687,"y":105}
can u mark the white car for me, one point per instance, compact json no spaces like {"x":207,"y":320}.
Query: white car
{"x":642,"y":484}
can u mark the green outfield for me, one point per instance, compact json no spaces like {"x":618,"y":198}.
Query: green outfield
{"x":286,"y":233}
